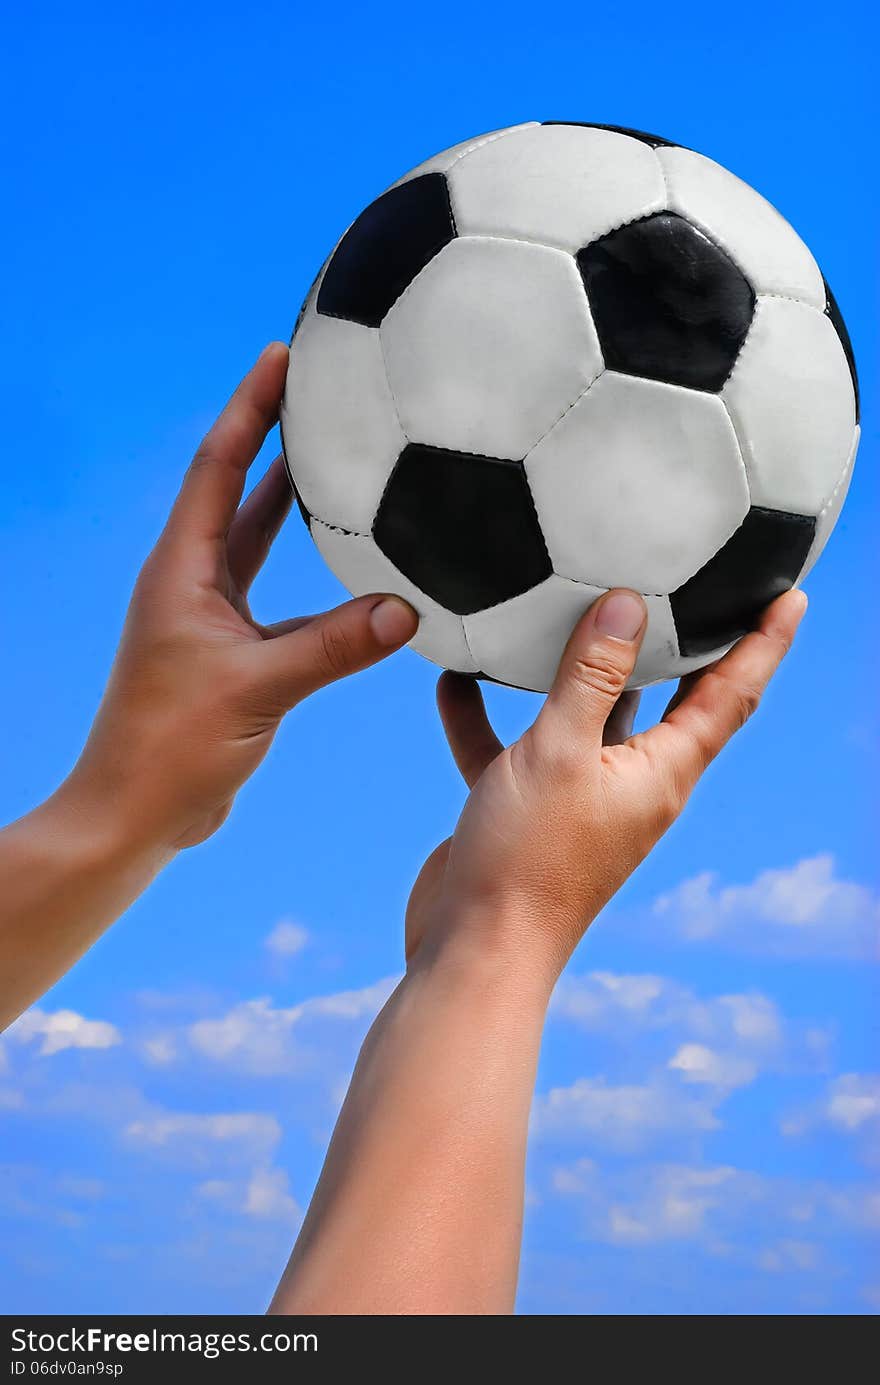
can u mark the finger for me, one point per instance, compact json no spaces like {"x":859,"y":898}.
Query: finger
{"x":256,"y":524}
{"x":685,"y":684}
{"x":619,"y":726}
{"x":212,"y":487}
{"x":472,"y":741}
{"x":331,"y":646}
{"x":285,"y":627}
{"x":720,"y":699}
{"x":598,"y":660}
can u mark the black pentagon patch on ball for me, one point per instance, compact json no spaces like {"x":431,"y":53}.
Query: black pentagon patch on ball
{"x":832,"y":311}
{"x":463,"y":528}
{"x":655,"y":141}
{"x":723,"y":600}
{"x":383,"y":251}
{"x":668,"y":303}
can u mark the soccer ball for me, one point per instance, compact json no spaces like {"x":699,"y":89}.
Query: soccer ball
{"x":560,"y":358}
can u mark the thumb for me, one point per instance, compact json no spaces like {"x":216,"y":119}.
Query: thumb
{"x":333,"y":645}
{"x":598,"y":660}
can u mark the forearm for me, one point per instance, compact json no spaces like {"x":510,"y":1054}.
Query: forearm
{"x":419,"y":1207}
{"x":68,"y":870}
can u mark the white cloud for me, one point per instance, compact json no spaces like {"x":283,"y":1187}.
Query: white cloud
{"x":34,"y":1193}
{"x":160,"y":1049}
{"x":753,"y":1018}
{"x":850,"y":1105}
{"x":580,"y":1177}
{"x":717,"y":1207}
{"x":63,"y":1029}
{"x":619,"y":1004}
{"x":287,"y":938}
{"x":856,"y":1206}
{"x":800,"y":910}
{"x":268,"y":1195}
{"x":716,"y":1044}
{"x":654,"y":1203}
{"x":853,"y":1101}
{"x":591,"y":1001}
{"x":700,"y":1064}
{"x":622,"y":1117}
{"x":257,"y":1037}
{"x":253,"y":1035}
{"x":201,"y":1138}
{"x":265,"y":1195}
{"x":348,"y":1005}
{"x":788,"y":1255}
{"x":725,"y":1040}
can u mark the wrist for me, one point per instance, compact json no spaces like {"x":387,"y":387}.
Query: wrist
{"x":501,"y":956}
{"x":95,"y":830}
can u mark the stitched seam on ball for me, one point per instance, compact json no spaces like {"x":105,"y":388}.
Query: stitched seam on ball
{"x":435,"y":250}
{"x":522,"y":240}
{"x":467,"y":643}
{"x":489,"y":139}
{"x":483,"y":610}
{"x":385,"y":492}
{"x":391,"y":395}
{"x":699,"y":225}
{"x":848,"y":466}
{"x":549,"y":245}
{"x":654,"y":151}
{"x":567,"y":410}
{"x":338,"y":528}
{"x":740,"y":450}
{"x":472,"y":149}
{"x":695,"y":221}
{"x":343,"y":317}
{"x":746,"y":347}
{"x":602,"y":586}
{"x":790,"y":298}
{"x":537,"y":513}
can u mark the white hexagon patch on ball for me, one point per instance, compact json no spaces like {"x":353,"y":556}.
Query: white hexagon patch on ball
{"x":560,"y":358}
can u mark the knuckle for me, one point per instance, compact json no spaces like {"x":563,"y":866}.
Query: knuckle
{"x":668,"y":800}
{"x":562,"y":761}
{"x":746,"y":700}
{"x":702,"y":741}
{"x":600,"y":673}
{"x":202,"y":458}
{"x":548,"y":754}
{"x":672,"y":801}
{"x":337,"y":653}
{"x":777,"y":643}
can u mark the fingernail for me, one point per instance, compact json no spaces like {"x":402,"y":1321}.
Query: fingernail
{"x":802,"y":596}
{"x":392,"y":621}
{"x":621,"y":615}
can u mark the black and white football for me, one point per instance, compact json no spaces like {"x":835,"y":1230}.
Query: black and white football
{"x":560,"y":358}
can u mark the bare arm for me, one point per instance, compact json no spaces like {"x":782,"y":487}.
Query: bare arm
{"x":419,"y":1206}
{"x":196,"y":694}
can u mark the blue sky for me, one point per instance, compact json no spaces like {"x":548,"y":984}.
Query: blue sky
{"x":705,"y":1134}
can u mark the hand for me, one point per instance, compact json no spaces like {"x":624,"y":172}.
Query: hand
{"x":199,"y":687}
{"x":555,"y":823}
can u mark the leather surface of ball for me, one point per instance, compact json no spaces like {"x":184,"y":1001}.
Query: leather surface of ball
{"x":559,"y":358}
